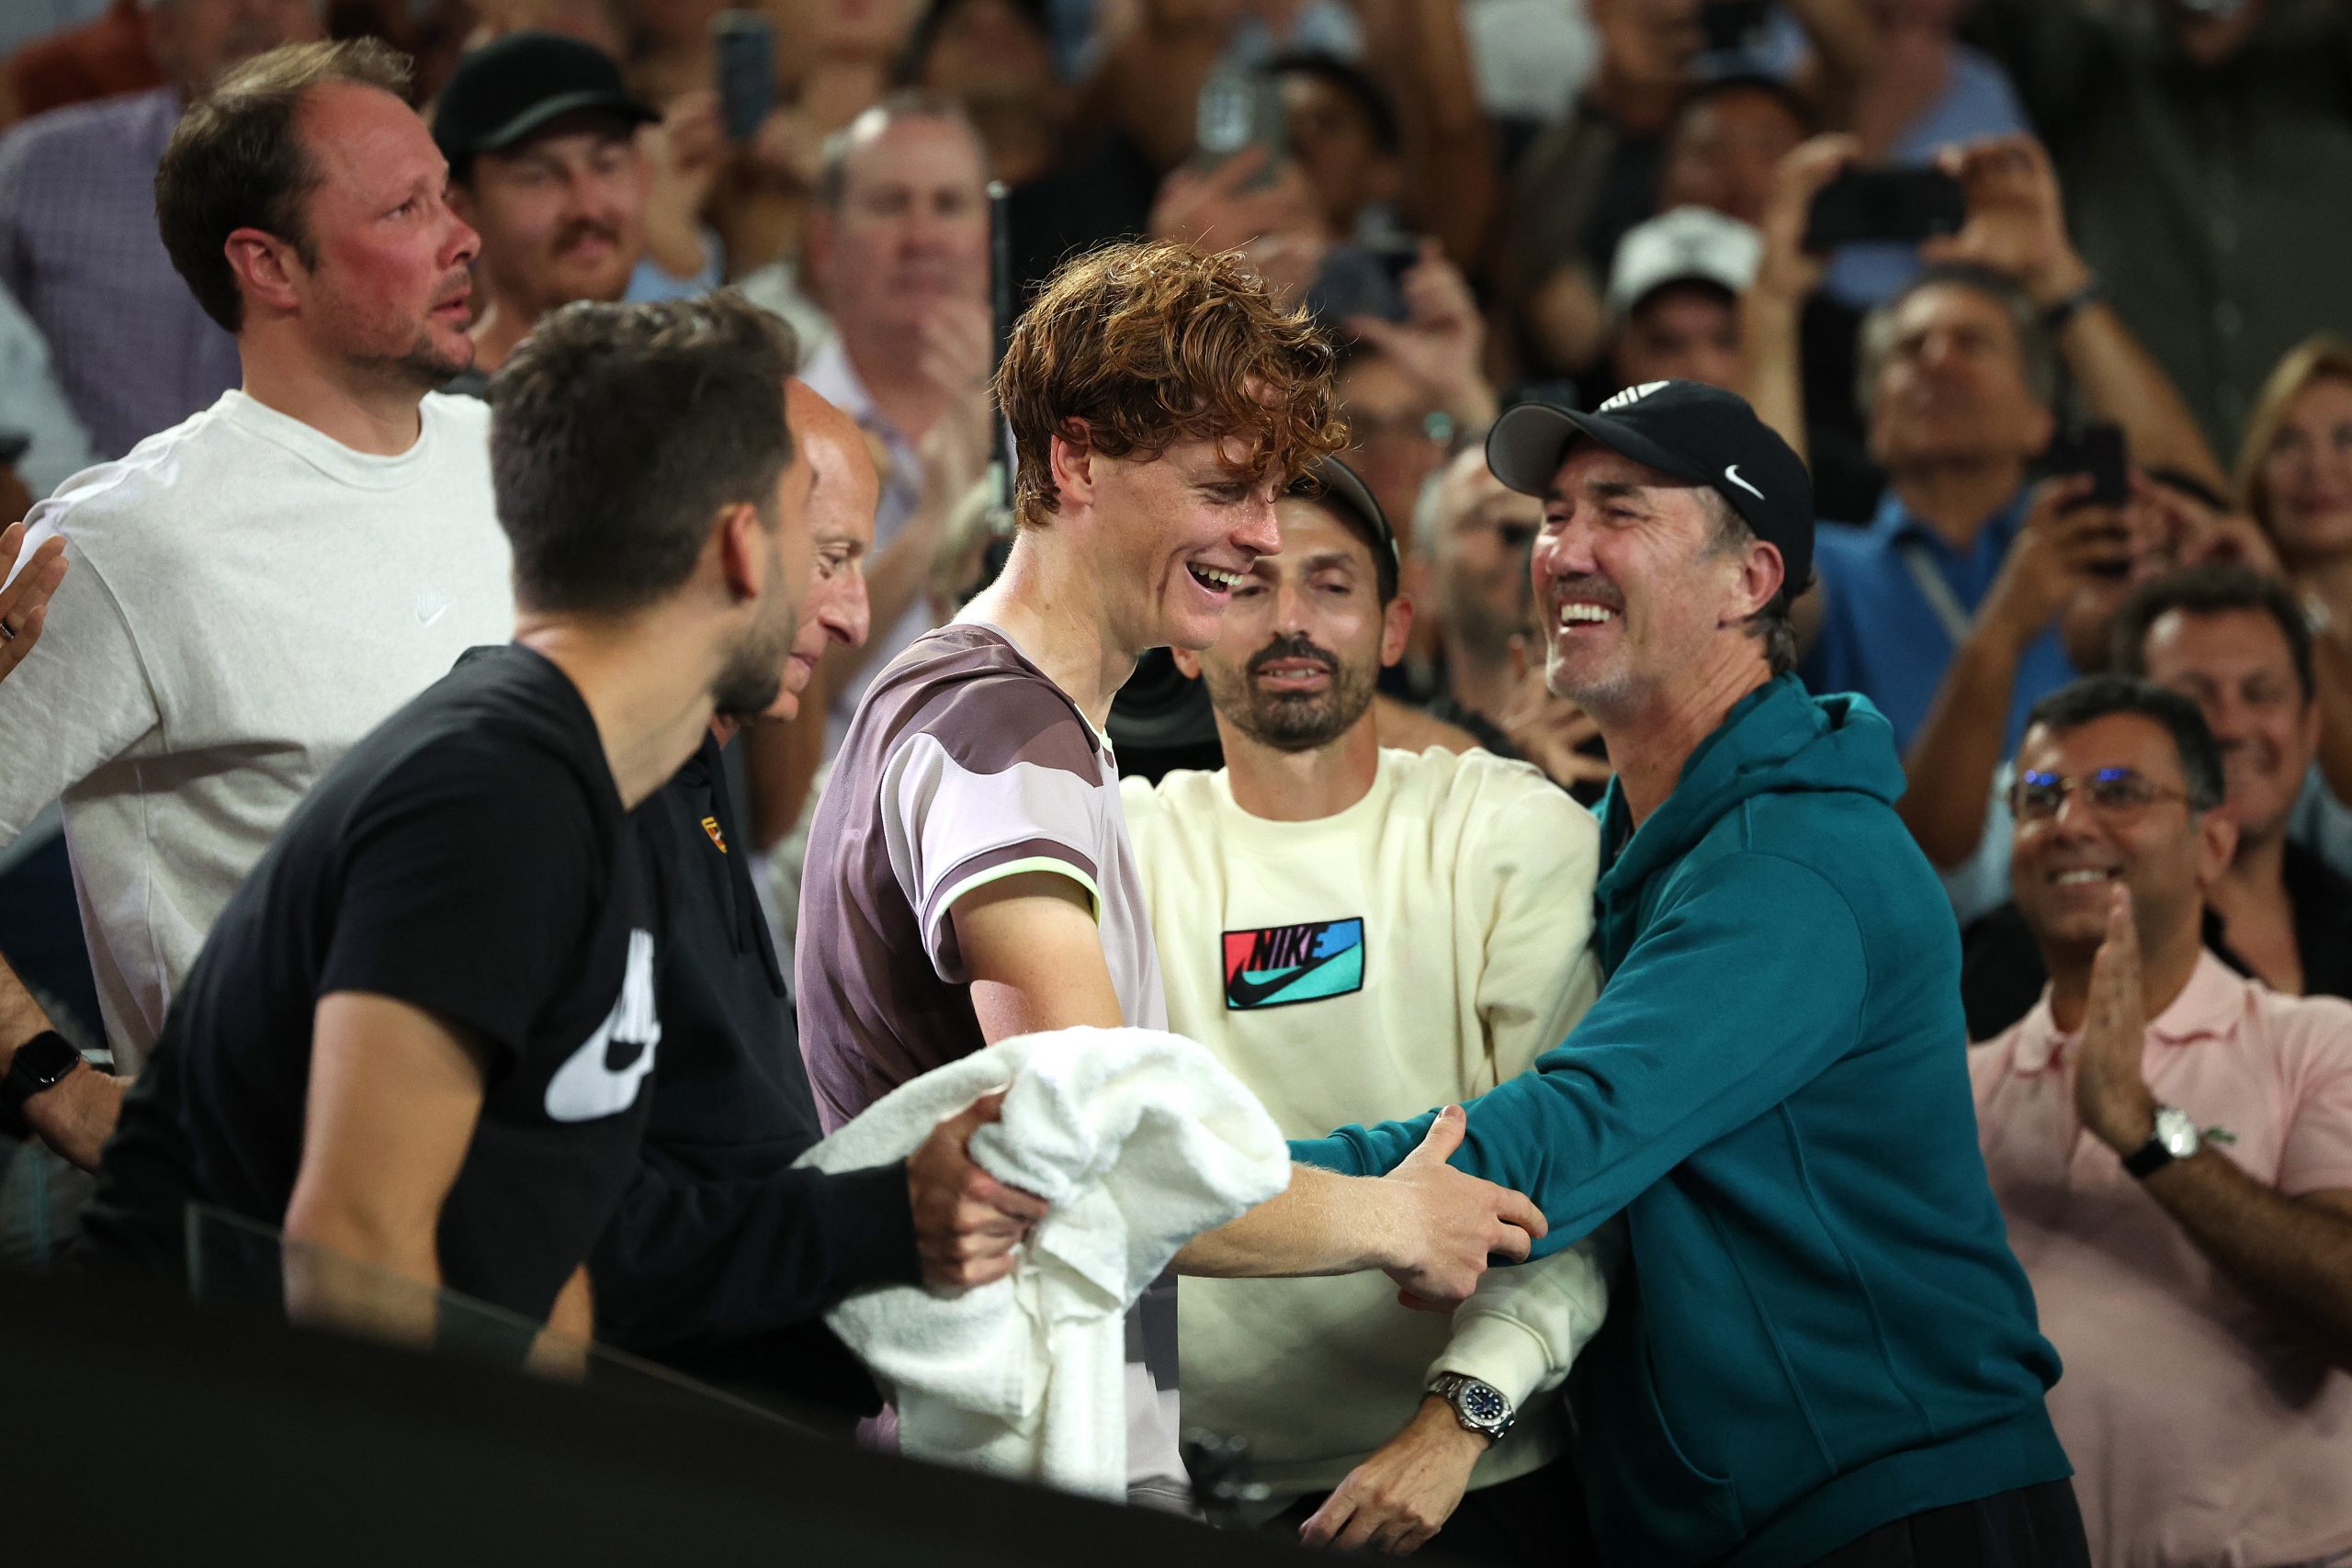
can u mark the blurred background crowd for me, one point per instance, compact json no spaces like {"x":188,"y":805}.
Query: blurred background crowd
{"x":2042,"y":289}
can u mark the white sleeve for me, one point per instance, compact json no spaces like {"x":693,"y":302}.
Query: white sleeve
{"x":79,"y":700}
{"x":1525,"y":1325}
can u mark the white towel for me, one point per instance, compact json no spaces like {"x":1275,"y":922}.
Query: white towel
{"x":1140,"y":1141}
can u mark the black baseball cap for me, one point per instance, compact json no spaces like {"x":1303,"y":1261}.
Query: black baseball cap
{"x":1700,"y":434}
{"x":508,"y":88}
{"x":1329,"y":481}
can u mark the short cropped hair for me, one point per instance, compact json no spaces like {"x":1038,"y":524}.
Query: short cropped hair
{"x":1774,"y":625}
{"x":2037,"y":350}
{"x":2214,"y":591}
{"x":236,"y":161}
{"x":2095,"y":697}
{"x":1138,"y":347}
{"x":619,"y":433}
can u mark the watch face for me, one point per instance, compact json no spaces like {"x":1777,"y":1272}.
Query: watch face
{"x":1484,"y":1405}
{"x":2176,"y":1132}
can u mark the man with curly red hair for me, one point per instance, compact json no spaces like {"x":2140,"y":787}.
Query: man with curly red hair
{"x":969,"y":877}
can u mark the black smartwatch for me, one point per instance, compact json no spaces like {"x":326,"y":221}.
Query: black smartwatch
{"x":40,"y":1063}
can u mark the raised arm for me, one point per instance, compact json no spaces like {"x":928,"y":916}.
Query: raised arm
{"x":2017,"y":226}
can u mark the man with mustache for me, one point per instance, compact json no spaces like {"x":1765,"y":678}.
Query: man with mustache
{"x":542,"y":142}
{"x":256,"y":589}
{"x":1822,"y":1349}
{"x":1353,"y":931}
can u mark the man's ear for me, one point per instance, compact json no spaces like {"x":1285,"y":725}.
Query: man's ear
{"x":266,"y":268}
{"x":1187,"y":663}
{"x":1072,"y":463}
{"x":2217,"y":845}
{"x":743,"y":543}
{"x":1396,"y":628}
{"x":1762,"y":573}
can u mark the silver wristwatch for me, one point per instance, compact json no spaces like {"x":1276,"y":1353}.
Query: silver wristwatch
{"x":2175,"y":1138}
{"x":1479,"y":1406}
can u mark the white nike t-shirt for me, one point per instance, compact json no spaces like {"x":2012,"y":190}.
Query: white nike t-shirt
{"x":246,"y":598}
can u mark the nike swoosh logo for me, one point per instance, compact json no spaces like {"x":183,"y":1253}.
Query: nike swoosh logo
{"x":1732,"y":474}
{"x":430,"y":607}
{"x":587,"y":1088}
{"x":1243,"y":992}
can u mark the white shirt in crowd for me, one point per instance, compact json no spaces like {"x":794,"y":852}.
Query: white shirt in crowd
{"x":246,"y":598}
{"x":1412,"y":951}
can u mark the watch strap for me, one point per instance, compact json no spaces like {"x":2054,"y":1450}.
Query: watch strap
{"x":39,"y":1064}
{"x":2054,"y":319}
{"x":2148,"y":1158}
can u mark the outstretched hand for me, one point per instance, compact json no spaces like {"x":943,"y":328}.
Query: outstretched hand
{"x":1449,"y":1223}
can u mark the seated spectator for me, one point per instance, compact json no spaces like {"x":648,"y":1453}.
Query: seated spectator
{"x":1958,"y":381}
{"x":418,"y":1040}
{"x":1472,"y":534}
{"x":2174,"y":1269}
{"x":541,"y":140}
{"x":1353,"y":929}
{"x":1674,"y":299}
{"x":545,"y":163}
{"x":180,"y":751}
{"x":900,"y":245}
{"x":2234,"y":643}
{"x":2195,"y":142}
{"x":78,"y":247}
{"x":101,"y":58}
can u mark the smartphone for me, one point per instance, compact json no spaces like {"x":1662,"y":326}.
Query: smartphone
{"x":2097,"y":449}
{"x":1902,"y":204}
{"x":1731,"y":24}
{"x":1236,"y":109}
{"x":743,"y":67}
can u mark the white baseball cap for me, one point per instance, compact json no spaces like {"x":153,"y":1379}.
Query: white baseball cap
{"x":1689,"y":244}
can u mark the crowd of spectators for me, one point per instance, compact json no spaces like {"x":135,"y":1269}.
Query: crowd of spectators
{"x":2080,"y":443}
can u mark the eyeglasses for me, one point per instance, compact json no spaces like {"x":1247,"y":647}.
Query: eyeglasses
{"x":2117,"y":795}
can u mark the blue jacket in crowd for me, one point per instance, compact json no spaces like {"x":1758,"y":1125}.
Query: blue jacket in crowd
{"x":1821,"y":1328}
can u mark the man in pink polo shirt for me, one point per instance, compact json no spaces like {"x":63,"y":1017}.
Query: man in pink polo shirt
{"x":2172,"y":1144}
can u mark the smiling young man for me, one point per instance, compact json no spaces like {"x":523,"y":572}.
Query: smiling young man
{"x":1825,"y":1351}
{"x":2172,"y":1145}
{"x":969,"y":877}
{"x":256,"y":588}
{"x":1355,"y":931}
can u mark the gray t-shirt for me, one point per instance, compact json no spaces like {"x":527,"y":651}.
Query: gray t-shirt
{"x":963,"y":764}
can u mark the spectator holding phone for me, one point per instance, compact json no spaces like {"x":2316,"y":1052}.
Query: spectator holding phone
{"x":1959,"y":380}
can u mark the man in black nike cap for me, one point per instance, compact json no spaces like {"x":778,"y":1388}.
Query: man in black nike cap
{"x":1825,"y":1350}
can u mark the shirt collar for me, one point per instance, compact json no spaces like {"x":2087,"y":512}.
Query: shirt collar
{"x":1896,"y":522}
{"x":2207,"y":1009}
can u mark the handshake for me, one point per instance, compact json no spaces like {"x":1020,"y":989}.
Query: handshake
{"x":1432,"y":1229}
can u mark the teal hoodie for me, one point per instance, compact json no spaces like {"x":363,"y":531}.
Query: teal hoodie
{"x":1821,"y":1328}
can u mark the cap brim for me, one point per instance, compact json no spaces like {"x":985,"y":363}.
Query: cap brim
{"x":1343,"y":484}
{"x":1528,"y":443}
{"x":541,"y":115}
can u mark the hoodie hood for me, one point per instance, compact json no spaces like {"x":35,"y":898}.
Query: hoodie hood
{"x":1777,"y":739}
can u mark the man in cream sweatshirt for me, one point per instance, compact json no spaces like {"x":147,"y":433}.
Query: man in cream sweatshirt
{"x":1352,"y":930}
